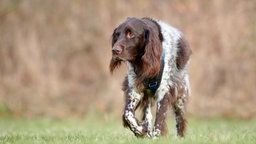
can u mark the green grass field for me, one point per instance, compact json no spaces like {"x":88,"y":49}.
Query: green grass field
{"x":206,"y":131}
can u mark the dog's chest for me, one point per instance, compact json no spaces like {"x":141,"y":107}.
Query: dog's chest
{"x":149,"y":93}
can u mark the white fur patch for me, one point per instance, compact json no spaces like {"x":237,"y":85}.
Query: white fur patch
{"x":171,"y":36}
{"x":131,"y":75}
{"x":132,"y":121}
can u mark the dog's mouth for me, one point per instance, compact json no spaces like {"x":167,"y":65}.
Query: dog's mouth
{"x":118,"y":58}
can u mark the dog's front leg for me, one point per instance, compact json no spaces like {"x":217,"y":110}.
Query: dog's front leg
{"x":160,"y":127}
{"x":147,"y":119}
{"x":132,"y":100}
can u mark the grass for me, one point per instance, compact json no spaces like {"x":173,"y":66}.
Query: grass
{"x":205,"y":131}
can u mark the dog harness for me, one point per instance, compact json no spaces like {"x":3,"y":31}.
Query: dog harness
{"x":153,"y":83}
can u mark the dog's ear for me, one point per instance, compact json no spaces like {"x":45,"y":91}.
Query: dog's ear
{"x":152,"y":54}
{"x":146,"y":36}
{"x":183,"y":53}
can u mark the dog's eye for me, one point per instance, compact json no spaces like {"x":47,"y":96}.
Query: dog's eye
{"x":130,"y":35}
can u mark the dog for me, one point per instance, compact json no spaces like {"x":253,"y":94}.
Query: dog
{"x":157,"y":56}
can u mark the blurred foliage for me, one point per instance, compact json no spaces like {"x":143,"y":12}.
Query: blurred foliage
{"x":4,"y":111}
{"x":54,"y":55}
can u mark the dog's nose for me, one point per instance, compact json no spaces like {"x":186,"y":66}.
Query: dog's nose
{"x":117,"y":50}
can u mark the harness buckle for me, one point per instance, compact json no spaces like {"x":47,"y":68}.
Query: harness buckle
{"x":152,"y":85}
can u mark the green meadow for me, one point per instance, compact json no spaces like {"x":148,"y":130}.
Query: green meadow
{"x":96,"y":131}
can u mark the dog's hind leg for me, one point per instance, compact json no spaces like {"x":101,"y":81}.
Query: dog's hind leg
{"x":180,"y":118}
{"x":179,"y":106}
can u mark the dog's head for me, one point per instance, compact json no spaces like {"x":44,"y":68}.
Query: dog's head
{"x":137,"y":41}
{"x":129,"y":39}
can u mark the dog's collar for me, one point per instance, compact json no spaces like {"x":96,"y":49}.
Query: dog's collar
{"x":153,"y":83}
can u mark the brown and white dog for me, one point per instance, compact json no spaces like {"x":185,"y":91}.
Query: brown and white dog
{"x":157,"y":56}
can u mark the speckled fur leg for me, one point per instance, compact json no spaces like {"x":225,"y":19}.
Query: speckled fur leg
{"x":147,"y":120}
{"x":160,"y":127}
{"x":180,"y":118}
{"x":129,"y":119}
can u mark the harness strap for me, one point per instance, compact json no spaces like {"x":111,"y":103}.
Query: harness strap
{"x":153,"y":83}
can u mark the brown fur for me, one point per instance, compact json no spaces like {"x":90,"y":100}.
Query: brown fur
{"x":184,"y":53}
{"x":146,"y":51}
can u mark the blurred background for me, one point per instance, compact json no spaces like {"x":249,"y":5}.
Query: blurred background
{"x":54,"y":55}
